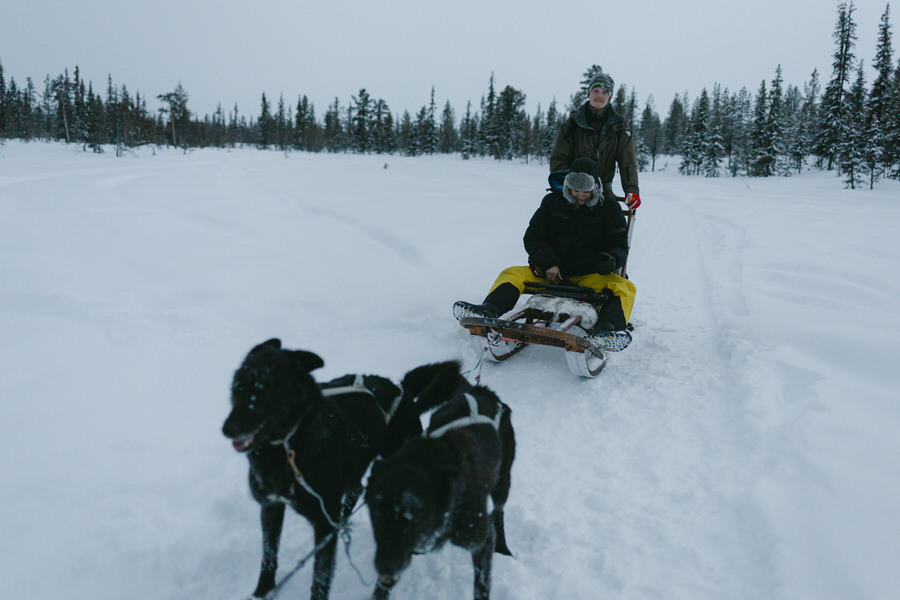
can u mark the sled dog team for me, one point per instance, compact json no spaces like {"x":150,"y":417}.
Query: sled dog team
{"x":310,"y":444}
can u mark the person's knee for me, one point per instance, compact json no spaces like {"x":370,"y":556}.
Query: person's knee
{"x":517,"y":276}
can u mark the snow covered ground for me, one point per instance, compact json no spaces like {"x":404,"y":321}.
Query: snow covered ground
{"x":744,"y":447}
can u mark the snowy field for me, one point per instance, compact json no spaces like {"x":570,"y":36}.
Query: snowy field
{"x":746,"y":446}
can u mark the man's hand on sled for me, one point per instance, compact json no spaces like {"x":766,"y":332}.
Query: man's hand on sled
{"x":632,"y":200}
{"x":553,"y":274}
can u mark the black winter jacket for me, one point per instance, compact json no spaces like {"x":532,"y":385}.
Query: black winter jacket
{"x":575,"y":238}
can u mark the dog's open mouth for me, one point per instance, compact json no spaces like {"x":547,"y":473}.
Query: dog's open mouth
{"x":243,"y":443}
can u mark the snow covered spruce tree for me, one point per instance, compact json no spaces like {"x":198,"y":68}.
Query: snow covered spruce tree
{"x":697,"y":137}
{"x":776,"y":125}
{"x":510,"y":121}
{"x":176,"y":107}
{"x":552,"y":124}
{"x":881,"y":116}
{"x":852,"y":147}
{"x":307,"y":133}
{"x":735,"y":115}
{"x":360,"y":125}
{"x":892,"y":127}
{"x":762,"y":162}
{"x":536,"y":135}
{"x":675,"y":126}
{"x":448,"y":136}
{"x":407,"y":144}
{"x":793,"y":101}
{"x":383,"y":134}
{"x":649,"y":137}
{"x":421,"y":131}
{"x":334,"y":128}
{"x":834,"y":109}
{"x":426,"y":123}
{"x":804,"y":124}
{"x":95,"y":125}
{"x":714,"y":149}
{"x":4,"y":107}
{"x":468,"y":133}
{"x":283,"y":126}
{"x":266,"y":124}
{"x":489,"y":126}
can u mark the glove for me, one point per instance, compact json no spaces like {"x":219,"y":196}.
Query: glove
{"x":536,"y":270}
{"x":632,"y":200}
{"x":606,"y":265}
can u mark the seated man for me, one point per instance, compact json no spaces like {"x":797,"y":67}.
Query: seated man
{"x":578,"y":237}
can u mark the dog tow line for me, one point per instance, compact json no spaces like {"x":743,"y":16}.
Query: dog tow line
{"x":341,"y":528}
{"x":478,"y":365}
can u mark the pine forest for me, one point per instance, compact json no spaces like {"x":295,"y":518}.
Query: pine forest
{"x":840,"y":123}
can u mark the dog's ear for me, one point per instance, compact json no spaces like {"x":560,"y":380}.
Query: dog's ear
{"x":263,"y":349}
{"x":308,"y":361}
{"x":273,"y":344}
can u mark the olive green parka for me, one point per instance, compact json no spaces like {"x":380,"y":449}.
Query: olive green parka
{"x":609,"y":145}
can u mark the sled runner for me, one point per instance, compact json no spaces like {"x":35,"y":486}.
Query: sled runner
{"x":554,"y":315}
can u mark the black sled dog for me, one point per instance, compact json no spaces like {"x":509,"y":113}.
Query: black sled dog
{"x":435,"y":489}
{"x":309,"y":445}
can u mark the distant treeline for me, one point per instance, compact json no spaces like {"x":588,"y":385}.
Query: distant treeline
{"x":848,"y":127}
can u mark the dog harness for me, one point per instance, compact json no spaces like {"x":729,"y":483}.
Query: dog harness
{"x":359,"y":386}
{"x":473,"y":418}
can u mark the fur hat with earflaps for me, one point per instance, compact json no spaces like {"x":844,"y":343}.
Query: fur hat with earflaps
{"x":582,"y":177}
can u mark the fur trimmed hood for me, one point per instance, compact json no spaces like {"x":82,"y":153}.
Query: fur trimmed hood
{"x":580,"y":182}
{"x":582,"y":177}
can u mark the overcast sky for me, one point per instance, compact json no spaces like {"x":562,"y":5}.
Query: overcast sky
{"x":231,"y":51}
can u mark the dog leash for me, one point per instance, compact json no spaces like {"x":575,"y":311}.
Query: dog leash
{"x":342,"y":527}
{"x":339,"y":528}
{"x":478,"y":365}
{"x":298,"y":477}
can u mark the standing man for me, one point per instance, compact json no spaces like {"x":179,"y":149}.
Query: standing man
{"x":596,"y":131}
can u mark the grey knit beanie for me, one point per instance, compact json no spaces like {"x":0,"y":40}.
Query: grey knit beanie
{"x":603,"y":80}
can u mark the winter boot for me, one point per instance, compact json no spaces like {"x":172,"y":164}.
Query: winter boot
{"x":467,"y":309}
{"x":611,"y":331}
{"x":495,"y":304}
{"x":610,"y":316}
{"x":611,"y":341}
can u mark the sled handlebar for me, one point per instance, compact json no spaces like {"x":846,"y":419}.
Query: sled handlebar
{"x":576,"y":292}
